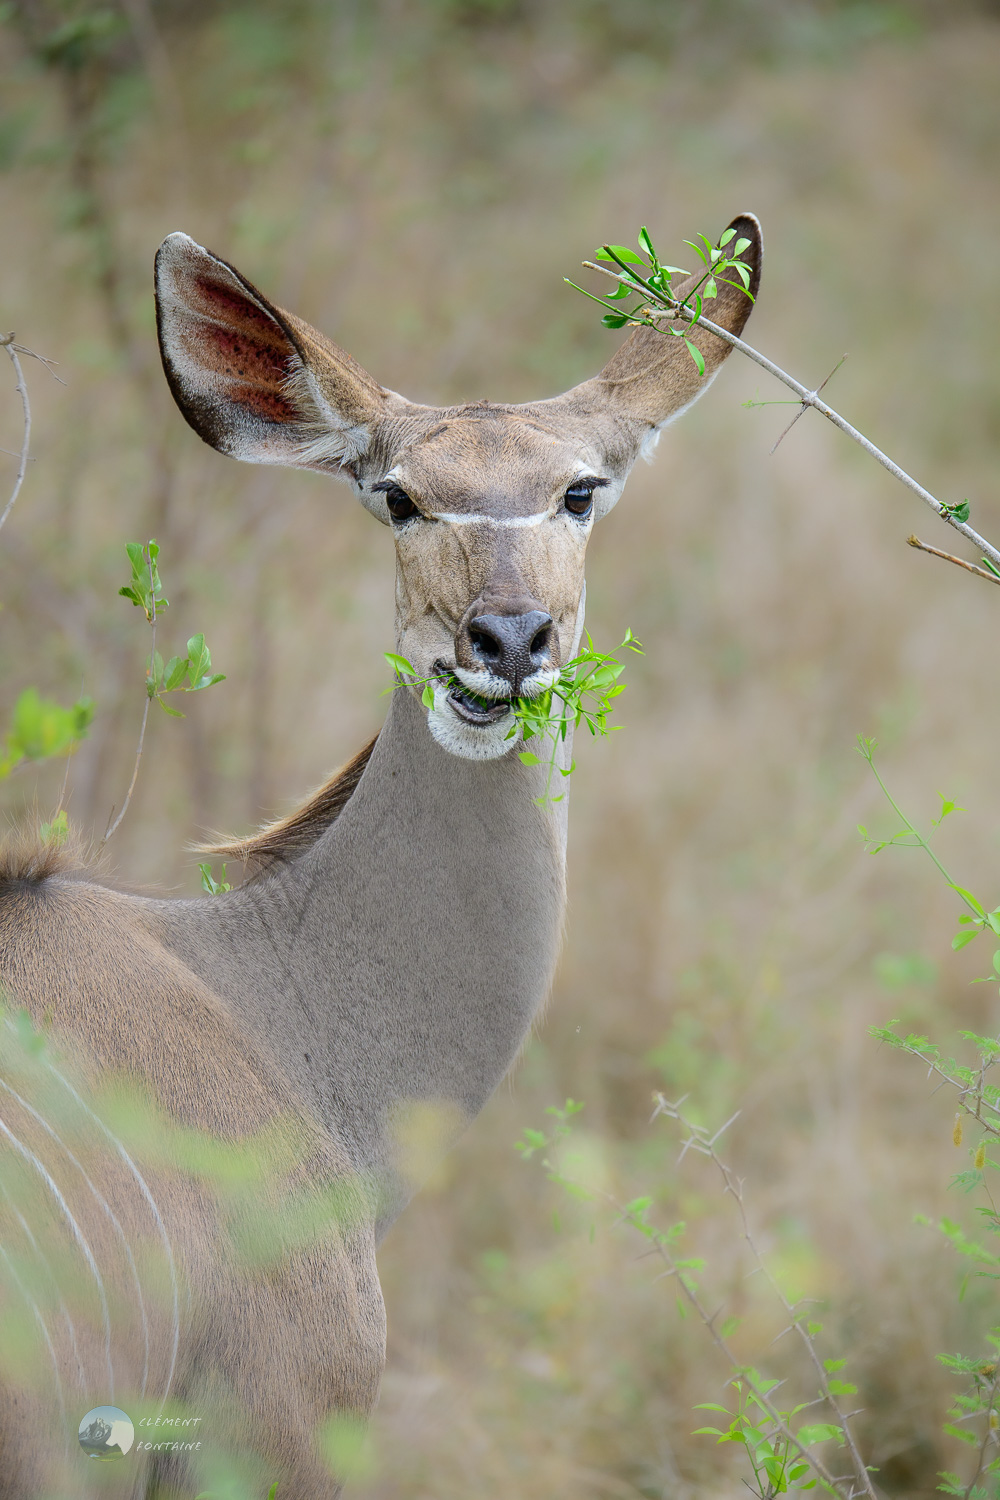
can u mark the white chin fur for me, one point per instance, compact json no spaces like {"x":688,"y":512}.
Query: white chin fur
{"x":489,"y":686}
{"x":468,"y":741}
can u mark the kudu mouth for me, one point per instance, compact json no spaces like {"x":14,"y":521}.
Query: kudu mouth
{"x":499,"y":659}
{"x":470,"y":706}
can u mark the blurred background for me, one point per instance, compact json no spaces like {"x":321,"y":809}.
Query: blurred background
{"x":416,"y":177}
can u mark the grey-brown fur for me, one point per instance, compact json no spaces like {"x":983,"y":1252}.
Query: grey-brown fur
{"x":402,"y":928}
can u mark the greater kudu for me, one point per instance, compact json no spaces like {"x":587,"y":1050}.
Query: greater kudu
{"x":389,"y":948}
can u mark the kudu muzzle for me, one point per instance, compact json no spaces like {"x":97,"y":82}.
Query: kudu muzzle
{"x":510,"y":641}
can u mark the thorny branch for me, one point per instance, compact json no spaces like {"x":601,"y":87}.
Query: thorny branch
{"x":678,"y":311}
{"x":661,"y":1248}
{"x":700,"y":1141}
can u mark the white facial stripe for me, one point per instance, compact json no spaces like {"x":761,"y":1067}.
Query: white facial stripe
{"x":460,"y":518}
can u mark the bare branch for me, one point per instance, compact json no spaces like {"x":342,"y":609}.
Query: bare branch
{"x":14,"y":349}
{"x":812,"y":398}
{"x":960,"y":562}
{"x":22,"y":391}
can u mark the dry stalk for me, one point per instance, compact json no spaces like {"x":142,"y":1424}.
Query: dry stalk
{"x":7,"y":341}
{"x":960,"y":562}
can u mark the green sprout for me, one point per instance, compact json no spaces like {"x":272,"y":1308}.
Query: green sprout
{"x":190,"y":673}
{"x":583,"y":693}
{"x":647,"y":278}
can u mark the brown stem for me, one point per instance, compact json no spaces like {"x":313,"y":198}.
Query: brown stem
{"x":960,"y":562}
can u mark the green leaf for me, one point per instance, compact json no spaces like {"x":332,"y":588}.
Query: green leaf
{"x":962,"y":938}
{"x":968,"y":897}
{"x":727,"y":237}
{"x":199,"y":658}
{"x":819,"y":1432}
{"x":427,"y":696}
{"x":173,"y":673}
{"x":645,"y":243}
{"x":399,"y":663}
{"x":613,"y":320}
{"x":174,"y":713}
{"x":527,"y":758}
{"x":962,"y":1433}
{"x":842,"y":1388}
{"x":41,"y":728}
{"x":696,"y":355}
{"x":623,"y":253}
{"x":56,"y":832}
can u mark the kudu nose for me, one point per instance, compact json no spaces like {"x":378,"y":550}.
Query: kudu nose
{"x":512,"y":646}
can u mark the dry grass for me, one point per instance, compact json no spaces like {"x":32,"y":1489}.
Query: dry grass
{"x":417,"y":187}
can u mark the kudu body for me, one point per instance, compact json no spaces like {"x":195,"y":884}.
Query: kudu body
{"x":389,"y":949}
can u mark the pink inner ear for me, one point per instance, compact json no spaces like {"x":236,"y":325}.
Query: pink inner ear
{"x":243,"y":347}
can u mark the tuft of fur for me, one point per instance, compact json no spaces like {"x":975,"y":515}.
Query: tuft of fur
{"x":287,"y":837}
{"x":27,"y":858}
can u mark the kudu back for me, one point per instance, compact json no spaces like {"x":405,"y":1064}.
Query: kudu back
{"x":202,"y":1152}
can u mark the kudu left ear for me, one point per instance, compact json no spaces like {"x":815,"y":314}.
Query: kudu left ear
{"x":653,"y":377}
{"x":254,"y":381}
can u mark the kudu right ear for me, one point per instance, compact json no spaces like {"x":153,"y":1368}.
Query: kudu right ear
{"x":254,"y":381}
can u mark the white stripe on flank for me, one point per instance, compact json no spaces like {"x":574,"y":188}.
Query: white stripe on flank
{"x":77,"y":1233}
{"x":111,"y":1215}
{"x":144,"y":1188}
{"x":36,"y":1248}
{"x":45,"y":1334}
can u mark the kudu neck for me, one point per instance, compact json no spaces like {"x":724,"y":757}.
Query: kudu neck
{"x":394,"y":969}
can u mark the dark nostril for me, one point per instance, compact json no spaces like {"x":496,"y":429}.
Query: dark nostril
{"x":541,"y":641}
{"x":485,"y":645}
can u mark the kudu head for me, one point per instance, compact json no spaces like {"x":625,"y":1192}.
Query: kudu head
{"x":491,"y":506}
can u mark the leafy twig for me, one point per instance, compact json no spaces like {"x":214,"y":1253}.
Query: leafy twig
{"x":145,"y":591}
{"x":154,"y":584}
{"x":671,"y":307}
{"x":662,"y":1244}
{"x":699,"y":1140}
{"x":591,"y":675}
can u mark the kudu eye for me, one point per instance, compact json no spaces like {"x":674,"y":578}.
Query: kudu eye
{"x":399,"y":504}
{"x":579,"y":499}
